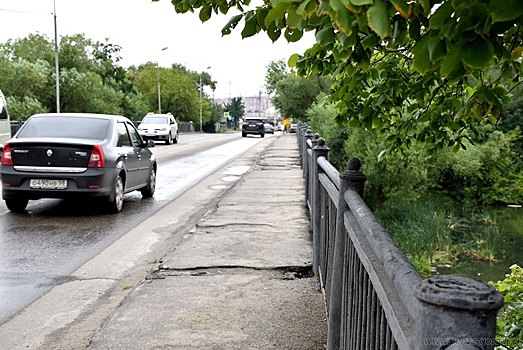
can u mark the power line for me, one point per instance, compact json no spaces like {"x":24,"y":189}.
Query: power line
{"x":19,"y":11}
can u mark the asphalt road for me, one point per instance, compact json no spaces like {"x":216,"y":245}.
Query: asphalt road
{"x":41,"y":248}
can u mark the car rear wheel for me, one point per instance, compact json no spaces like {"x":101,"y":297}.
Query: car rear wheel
{"x":115,"y":203}
{"x":148,"y":191}
{"x":17,"y":205}
{"x":175,"y":140}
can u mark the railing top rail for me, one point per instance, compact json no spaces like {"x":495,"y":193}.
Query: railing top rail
{"x":395,"y":263}
{"x":330,"y":171}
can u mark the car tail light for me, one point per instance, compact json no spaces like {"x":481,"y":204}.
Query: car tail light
{"x":6,"y":155}
{"x":97,"y":159}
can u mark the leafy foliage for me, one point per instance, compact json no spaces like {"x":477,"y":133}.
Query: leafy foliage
{"x":236,"y":108}
{"x":438,"y":51}
{"x":92,"y":81}
{"x":276,"y":71}
{"x":295,"y":94}
{"x":510,"y":317}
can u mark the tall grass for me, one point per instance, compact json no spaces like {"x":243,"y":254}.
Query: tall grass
{"x":432,"y":232}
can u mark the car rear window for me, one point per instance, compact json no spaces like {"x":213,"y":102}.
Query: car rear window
{"x":65,"y":127}
{"x":155,"y":120}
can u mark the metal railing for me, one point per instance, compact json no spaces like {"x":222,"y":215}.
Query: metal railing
{"x":374,"y":297}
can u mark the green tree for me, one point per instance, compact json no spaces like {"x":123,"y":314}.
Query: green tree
{"x":29,"y":75}
{"x":236,"y":108}
{"x":295,"y":94}
{"x":85,"y":92}
{"x":276,"y":71}
{"x":177,"y":88}
{"x":445,"y":46}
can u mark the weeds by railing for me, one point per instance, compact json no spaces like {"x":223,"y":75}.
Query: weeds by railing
{"x":375,"y":298}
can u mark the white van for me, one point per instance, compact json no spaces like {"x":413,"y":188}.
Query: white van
{"x":5,"y":122}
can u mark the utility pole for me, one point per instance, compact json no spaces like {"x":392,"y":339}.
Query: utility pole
{"x":57,"y":70}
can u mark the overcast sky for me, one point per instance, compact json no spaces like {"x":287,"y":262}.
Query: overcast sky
{"x":142,"y":28}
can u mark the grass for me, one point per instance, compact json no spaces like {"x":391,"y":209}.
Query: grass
{"x":432,"y":232}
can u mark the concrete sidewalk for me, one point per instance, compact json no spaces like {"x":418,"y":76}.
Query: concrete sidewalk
{"x":240,"y":279}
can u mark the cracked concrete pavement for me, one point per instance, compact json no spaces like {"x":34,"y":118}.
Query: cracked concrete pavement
{"x":240,"y":279}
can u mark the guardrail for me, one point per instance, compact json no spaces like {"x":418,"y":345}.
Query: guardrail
{"x":374,"y":297}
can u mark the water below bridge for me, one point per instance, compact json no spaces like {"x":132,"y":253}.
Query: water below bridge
{"x":508,"y":248}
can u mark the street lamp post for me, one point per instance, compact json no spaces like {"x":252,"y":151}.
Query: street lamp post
{"x":201,"y":114}
{"x":57,"y":70}
{"x":159,"y":95}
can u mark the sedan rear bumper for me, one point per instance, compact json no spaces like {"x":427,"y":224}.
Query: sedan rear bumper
{"x":91,"y":183}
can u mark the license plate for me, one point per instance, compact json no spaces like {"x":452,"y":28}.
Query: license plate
{"x":48,"y":184}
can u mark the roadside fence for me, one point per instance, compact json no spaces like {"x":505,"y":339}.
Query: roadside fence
{"x":374,"y":297}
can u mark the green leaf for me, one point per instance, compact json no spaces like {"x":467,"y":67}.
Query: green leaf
{"x":441,"y":15}
{"x":505,"y":10}
{"x":293,"y":59}
{"x":370,"y":41}
{"x":233,"y":22}
{"x":477,"y":54}
{"x":351,"y":7}
{"x":452,"y":61}
{"x":307,"y":8}
{"x":325,"y":36}
{"x":379,"y":19}
{"x":205,"y":13}
{"x":293,"y":35}
{"x":277,"y":12}
{"x":361,"y":2}
{"x":293,"y":19}
{"x":426,"y":6}
{"x":261,"y":14}
{"x":342,"y":16}
{"x":251,"y":25}
{"x":273,"y":31}
{"x":437,"y":49}
{"x":404,"y":9}
{"x":422,"y":62}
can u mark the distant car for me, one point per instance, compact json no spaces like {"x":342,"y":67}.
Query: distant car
{"x":293,"y":128}
{"x":76,"y":155}
{"x":253,"y":126}
{"x":159,"y":127}
{"x":269,"y":129}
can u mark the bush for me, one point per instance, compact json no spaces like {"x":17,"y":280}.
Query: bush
{"x":510,"y":317}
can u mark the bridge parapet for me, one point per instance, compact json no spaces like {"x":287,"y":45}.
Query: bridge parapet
{"x":374,"y":297}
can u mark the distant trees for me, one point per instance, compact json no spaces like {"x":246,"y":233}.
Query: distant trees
{"x":92,"y":81}
{"x":293,"y":95}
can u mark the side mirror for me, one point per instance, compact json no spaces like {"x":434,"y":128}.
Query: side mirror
{"x":150,"y":143}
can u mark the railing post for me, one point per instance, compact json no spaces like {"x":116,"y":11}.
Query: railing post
{"x":320,"y":150}
{"x":354,"y":179}
{"x":310,"y":179}
{"x":456,"y":312}
{"x":306,"y":161}
{"x":301,"y":130}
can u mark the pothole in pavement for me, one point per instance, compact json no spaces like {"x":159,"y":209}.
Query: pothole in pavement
{"x":284,"y":272}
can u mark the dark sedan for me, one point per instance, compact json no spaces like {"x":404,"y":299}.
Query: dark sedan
{"x":76,"y":155}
